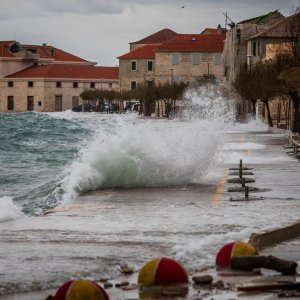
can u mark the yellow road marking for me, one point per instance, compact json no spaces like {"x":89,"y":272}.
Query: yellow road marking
{"x":220,"y":189}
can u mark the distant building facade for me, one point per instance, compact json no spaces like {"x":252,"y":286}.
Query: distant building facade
{"x":45,"y":79}
{"x":236,"y":50}
{"x":168,"y":57}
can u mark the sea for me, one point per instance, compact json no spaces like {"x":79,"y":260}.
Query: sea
{"x":82,"y":194}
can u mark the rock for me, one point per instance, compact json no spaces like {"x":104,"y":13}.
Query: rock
{"x":107,"y":285}
{"x":129,"y":287}
{"x":122,"y":284}
{"x":125,"y":269}
{"x":219,"y":284}
{"x":202,"y":279}
{"x":50,"y":297}
{"x":103,"y":280}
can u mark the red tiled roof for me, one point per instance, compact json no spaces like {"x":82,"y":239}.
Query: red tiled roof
{"x":210,"y":31}
{"x":44,"y":51}
{"x":68,"y":72}
{"x":147,"y":51}
{"x":157,"y":37}
{"x":194,"y":42}
{"x":58,"y":55}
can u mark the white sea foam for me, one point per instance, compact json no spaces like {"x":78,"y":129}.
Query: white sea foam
{"x":133,"y":152}
{"x":233,"y":157}
{"x":202,"y":252}
{"x":243,"y":146}
{"x":8,"y":210}
{"x":251,"y":126}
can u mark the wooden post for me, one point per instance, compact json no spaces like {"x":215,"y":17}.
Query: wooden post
{"x":243,"y":182}
{"x":268,"y":262}
{"x":246,"y":192}
{"x":241,"y":169}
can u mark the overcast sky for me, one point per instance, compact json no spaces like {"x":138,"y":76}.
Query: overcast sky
{"x":100,"y":30}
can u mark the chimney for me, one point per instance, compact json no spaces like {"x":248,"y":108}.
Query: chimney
{"x":44,"y":44}
{"x":219,"y":29}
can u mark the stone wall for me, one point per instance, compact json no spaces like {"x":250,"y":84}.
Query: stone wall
{"x":185,"y":70}
{"x":11,"y":66}
{"x":141,"y":75}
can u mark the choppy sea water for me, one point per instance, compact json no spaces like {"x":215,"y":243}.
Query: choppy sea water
{"x":124,"y":189}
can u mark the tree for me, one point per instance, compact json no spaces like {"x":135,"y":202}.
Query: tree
{"x":289,"y":75}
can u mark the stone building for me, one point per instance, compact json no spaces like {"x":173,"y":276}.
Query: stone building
{"x":236,"y":44}
{"x":138,"y":65}
{"x":170,"y":57}
{"x":269,"y":42}
{"x":188,"y":56}
{"x":44,"y":78}
{"x":47,"y":88}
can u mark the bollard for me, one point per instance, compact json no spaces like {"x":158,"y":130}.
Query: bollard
{"x":243,"y":182}
{"x":241,"y":169}
{"x":246,"y":192}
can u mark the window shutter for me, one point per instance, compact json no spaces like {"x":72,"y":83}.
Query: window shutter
{"x":218,"y":57}
{"x":196,"y":59}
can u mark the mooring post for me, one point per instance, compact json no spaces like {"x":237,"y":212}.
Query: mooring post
{"x":241,"y":169}
{"x":243,"y":182}
{"x":246,"y":192}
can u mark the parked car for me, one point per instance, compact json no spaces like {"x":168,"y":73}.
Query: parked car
{"x":84,"y":107}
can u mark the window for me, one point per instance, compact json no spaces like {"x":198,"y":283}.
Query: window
{"x":133,"y":65}
{"x":10,"y":84}
{"x":175,"y":59}
{"x":92,"y":85}
{"x":30,"y":84}
{"x":150,"y":65}
{"x":30,"y":103}
{"x":150,"y":83}
{"x":218,"y":58}
{"x":110,"y":85}
{"x":10,"y":103}
{"x":58,"y":84}
{"x":196,"y":59}
{"x":254,"y":49}
{"x":75,"y":84}
{"x":39,"y":103}
{"x":133,"y":85}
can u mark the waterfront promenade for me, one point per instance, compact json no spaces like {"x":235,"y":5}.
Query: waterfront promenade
{"x":189,"y":223}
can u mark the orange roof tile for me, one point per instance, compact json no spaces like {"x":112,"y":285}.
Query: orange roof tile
{"x":194,"y":42}
{"x":68,"y":72}
{"x":157,"y":37}
{"x":44,"y":51}
{"x":147,"y":51}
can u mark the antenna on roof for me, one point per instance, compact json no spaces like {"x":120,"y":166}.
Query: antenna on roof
{"x":231,"y":24}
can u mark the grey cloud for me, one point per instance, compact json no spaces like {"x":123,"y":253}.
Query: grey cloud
{"x":12,"y":9}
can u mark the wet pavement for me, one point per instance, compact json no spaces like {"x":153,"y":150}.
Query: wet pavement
{"x":189,"y":223}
